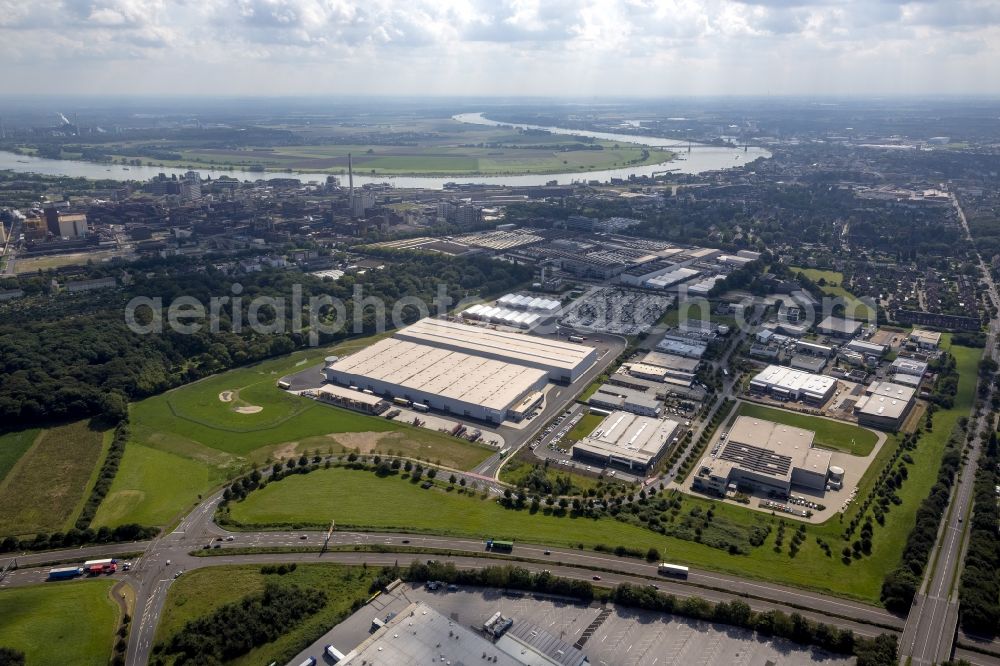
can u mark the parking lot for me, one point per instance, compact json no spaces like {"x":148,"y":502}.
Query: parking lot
{"x":617,"y":310}
{"x":619,"y":636}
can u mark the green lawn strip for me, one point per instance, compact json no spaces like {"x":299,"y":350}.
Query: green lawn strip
{"x":829,"y":434}
{"x":60,"y":623}
{"x":50,"y":480}
{"x":586,"y":425}
{"x":200,"y":592}
{"x":155,"y":487}
{"x":13,"y":445}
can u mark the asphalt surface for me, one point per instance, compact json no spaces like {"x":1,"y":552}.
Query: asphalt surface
{"x":931,"y":625}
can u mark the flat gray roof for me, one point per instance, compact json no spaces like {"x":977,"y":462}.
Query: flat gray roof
{"x":450,"y":374}
{"x":671,"y":361}
{"x":350,"y":394}
{"x":840,"y":325}
{"x":626,"y":435}
{"x":886,"y":399}
{"x":517,"y":346}
{"x":420,"y":635}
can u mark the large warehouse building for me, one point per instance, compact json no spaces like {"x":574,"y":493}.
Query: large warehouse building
{"x":767,"y":456}
{"x":563,"y":361}
{"x":885,"y":405}
{"x":626,"y":440}
{"x":446,"y":380}
{"x":462,"y":370}
{"x":788,"y":384}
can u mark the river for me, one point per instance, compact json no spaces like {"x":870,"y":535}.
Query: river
{"x":700,"y":158}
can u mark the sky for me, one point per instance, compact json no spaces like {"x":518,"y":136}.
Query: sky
{"x":646,"y":48}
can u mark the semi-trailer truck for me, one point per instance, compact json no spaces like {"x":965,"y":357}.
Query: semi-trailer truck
{"x":64,"y":573}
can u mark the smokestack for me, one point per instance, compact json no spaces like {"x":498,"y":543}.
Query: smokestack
{"x":350,"y":177}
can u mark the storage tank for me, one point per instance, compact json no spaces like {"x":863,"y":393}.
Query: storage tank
{"x":836,"y":473}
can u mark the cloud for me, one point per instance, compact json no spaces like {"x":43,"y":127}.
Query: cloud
{"x":503,"y":46}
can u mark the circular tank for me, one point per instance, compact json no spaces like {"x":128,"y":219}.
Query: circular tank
{"x":836,"y":472}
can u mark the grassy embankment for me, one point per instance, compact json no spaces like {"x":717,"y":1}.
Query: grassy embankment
{"x":347,"y":496}
{"x":188,"y":441}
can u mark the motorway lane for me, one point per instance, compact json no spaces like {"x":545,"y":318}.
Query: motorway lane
{"x":931,"y":626}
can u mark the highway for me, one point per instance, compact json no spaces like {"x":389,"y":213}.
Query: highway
{"x":931,"y":625}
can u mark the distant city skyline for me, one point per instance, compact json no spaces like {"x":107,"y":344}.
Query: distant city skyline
{"x":512,"y":47}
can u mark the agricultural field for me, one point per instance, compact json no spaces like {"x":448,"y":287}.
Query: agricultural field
{"x":45,"y":488}
{"x":50,"y":621}
{"x":403,"y":506}
{"x":215,"y":428}
{"x":200,"y":592}
{"x":427,"y":146}
{"x":830,"y":434}
{"x":12,"y":446}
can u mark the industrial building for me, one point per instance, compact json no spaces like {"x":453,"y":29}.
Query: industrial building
{"x":563,"y":361}
{"x":866,"y":348}
{"x":498,"y":315}
{"x":625,"y":399}
{"x":908,"y":366}
{"x":520,"y":302}
{"x":442,"y":379}
{"x":925,"y":339}
{"x":839,"y":327}
{"x":789,"y":384}
{"x":633,"y":442}
{"x":765,"y":456}
{"x":885,"y":405}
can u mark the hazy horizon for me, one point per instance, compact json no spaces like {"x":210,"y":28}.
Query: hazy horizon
{"x":519,"y":48}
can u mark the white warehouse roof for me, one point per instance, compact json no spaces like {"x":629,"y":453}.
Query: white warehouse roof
{"x":778,"y":377}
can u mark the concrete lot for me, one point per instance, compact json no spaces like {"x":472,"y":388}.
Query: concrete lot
{"x":626,"y":637}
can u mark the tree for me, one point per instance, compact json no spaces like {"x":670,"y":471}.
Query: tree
{"x":452,"y":479}
{"x":11,"y":657}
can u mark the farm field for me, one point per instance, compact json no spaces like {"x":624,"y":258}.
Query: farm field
{"x":829,"y":434}
{"x":192,"y":428}
{"x":200,"y":592}
{"x":49,"y":621}
{"x":403,"y":506}
{"x":46,"y":487}
{"x":12,"y":446}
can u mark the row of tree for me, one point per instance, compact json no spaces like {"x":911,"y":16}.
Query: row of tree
{"x":980,"y":589}
{"x":236,"y":628}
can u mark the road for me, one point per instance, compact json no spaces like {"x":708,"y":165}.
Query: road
{"x":931,"y":625}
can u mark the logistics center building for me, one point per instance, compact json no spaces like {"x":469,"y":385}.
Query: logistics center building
{"x":789,"y":384}
{"x":767,"y":456}
{"x":563,"y":361}
{"x":462,"y":370}
{"x":627,"y":440}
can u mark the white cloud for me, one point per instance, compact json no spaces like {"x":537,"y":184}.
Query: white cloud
{"x":650,"y":47}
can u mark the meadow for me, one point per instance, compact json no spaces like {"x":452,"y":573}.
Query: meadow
{"x":46,"y":487}
{"x":833,"y":287}
{"x":60,"y":623}
{"x":200,"y":592}
{"x":346,"y":496}
{"x":829,"y":434}
{"x":192,"y":431}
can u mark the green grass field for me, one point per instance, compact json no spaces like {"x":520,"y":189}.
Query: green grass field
{"x":45,"y":488}
{"x":13,"y":445}
{"x":584,"y":427}
{"x":834,"y":281}
{"x":191,"y":429}
{"x":60,"y":623}
{"x":829,"y":434}
{"x":349,"y":498}
{"x":200,"y":592}
{"x":516,"y":469}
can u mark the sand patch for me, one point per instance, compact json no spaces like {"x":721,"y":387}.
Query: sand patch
{"x":226,"y":396}
{"x":248,"y":409}
{"x":364,"y":442}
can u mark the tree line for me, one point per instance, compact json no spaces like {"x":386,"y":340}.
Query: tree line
{"x":979,"y":592}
